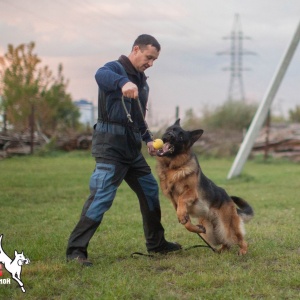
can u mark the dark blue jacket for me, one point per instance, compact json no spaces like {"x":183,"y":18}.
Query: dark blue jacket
{"x":115,"y":137}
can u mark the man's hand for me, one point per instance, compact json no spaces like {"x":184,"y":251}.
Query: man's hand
{"x":151,"y":149}
{"x":130,"y":90}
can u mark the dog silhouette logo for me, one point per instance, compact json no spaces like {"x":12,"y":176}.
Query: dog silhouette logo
{"x":13,"y":266}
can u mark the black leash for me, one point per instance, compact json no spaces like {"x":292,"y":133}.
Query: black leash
{"x":134,"y":254}
{"x":141,"y":110}
{"x":207,"y":244}
{"x":126,"y":111}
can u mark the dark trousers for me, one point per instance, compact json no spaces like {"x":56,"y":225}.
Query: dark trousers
{"x":104,"y":182}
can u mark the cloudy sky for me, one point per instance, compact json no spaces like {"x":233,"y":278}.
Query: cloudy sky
{"x":83,"y":35}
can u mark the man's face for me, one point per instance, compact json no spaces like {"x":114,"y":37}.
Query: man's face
{"x":143,"y":58}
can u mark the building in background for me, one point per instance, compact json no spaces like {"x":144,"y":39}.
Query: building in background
{"x":87,"y":112}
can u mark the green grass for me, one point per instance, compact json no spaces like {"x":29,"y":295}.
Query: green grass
{"x":40,"y":202}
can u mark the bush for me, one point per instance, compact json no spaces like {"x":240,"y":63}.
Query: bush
{"x":295,"y":114}
{"x":231,"y":115}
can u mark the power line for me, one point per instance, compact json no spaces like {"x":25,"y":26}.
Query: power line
{"x":236,"y":89}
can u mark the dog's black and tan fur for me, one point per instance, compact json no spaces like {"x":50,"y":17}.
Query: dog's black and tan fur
{"x":221,"y":217}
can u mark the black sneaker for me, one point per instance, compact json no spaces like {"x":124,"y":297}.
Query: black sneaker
{"x":168,"y":247}
{"x":81,"y":260}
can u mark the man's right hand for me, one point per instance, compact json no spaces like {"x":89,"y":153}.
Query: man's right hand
{"x":130,"y":90}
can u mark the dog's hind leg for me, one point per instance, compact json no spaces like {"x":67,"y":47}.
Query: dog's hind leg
{"x":224,"y":248}
{"x":243,"y":247}
{"x":239,"y":240}
{"x":239,"y":233}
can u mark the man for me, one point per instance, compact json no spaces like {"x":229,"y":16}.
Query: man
{"x":123,"y":96}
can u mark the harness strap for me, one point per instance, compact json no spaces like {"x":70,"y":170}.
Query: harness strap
{"x":102,"y":112}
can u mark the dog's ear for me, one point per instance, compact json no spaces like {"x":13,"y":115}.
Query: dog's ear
{"x":195,"y":135}
{"x":177,"y":122}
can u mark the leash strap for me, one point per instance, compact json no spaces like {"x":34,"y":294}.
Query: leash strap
{"x":141,"y":111}
{"x":134,"y":254}
{"x":126,"y":111}
{"x":207,"y":244}
{"x":139,"y":103}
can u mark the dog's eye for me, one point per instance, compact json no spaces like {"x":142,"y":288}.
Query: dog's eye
{"x":181,"y":137}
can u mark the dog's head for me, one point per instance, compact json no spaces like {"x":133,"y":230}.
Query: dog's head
{"x":177,"y":140}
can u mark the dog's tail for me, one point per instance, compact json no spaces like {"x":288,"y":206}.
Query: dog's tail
{"x":244,"y":210}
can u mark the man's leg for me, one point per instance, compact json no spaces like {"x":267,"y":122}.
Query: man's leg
{"x":142,"y":182}
{"x":103,"y":186}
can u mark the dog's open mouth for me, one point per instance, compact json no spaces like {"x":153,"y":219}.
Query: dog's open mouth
{"x":166,"y":149}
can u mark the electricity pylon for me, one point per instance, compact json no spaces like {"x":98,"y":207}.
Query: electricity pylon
{"x":236,"y":89}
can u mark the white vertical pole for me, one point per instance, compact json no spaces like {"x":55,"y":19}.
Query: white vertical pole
{"x":263,"y":108}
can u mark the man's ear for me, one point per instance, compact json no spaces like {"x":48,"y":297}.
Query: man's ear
{"x":135,"y":49}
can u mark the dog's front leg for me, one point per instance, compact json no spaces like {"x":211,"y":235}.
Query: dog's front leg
{"x":184,"y":218}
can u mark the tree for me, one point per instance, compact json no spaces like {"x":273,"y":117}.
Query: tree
{"x":21,"y":84}
{"x":28,"y":88}
{"x":2,"y":112}
{"x":57,"y":110}
{"x":294,"y":115}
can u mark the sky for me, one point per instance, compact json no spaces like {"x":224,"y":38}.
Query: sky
{"x":189,"y":73}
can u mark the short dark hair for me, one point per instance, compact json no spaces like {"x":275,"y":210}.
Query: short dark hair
{"x":146,"y":39}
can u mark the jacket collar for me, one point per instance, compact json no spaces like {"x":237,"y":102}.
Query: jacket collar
{"x":130,"y":69}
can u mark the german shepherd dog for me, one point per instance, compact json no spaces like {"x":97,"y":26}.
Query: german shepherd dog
{"x":221,"y":217}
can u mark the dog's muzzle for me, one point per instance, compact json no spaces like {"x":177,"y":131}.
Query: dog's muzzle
{"x":165,"y":150}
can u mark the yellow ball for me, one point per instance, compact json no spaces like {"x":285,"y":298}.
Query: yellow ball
{"x":158,"y":144}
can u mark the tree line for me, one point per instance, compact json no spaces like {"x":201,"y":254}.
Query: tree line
{"x":32,"y":95}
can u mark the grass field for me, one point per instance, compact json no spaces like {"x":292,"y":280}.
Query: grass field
{"x":40,"y":202}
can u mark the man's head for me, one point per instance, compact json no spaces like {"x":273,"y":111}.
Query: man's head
{"x":145,"y":51}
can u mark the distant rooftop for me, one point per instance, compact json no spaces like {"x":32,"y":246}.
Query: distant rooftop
{"x":83,"y":102}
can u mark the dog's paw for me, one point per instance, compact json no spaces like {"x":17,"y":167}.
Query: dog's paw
{"x":224,"y":248}
{"x":242,"y":252}
{"x":202,"y":228}
{"x":183,"y":220}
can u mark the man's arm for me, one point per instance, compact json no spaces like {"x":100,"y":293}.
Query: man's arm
{"x":110,"y":78}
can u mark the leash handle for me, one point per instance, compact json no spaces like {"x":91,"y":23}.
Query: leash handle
{"x":126,"y":111}
{"x":141,"y":111}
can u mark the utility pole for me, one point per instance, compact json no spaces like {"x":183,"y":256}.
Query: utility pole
{"x":176,"y":113}
{"x":149,"y":114}
{"x":264,"y":107}
{"x":236,"y":85}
